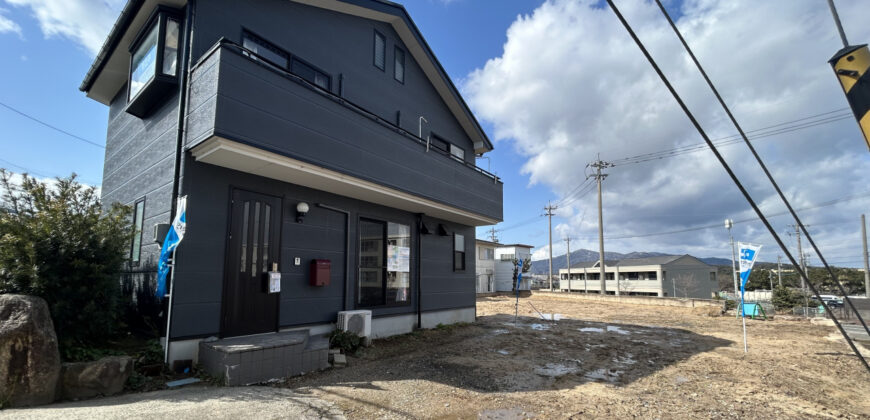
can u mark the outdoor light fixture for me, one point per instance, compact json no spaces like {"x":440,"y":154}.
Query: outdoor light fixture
{"x":301,"y":211}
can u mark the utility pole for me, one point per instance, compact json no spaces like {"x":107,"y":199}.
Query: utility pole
{"x":866,"y":262}
{"x":779,"y":269}
{"x":803,"y":261}
{"x":770,"y":277}
{"x":599,"y":165}
{"x":549,"y":209}
{"x":492,"y":236}
{"x":568,"y":258}
{"x":728,"y":224}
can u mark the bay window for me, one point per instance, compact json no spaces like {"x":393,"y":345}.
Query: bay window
{"x":154,"y":62}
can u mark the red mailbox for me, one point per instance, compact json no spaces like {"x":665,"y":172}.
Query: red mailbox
{"x":319,"y":275}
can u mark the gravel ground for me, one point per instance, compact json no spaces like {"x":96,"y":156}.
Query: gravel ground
{"x":602,"y":360}
{"x":189,"y":403}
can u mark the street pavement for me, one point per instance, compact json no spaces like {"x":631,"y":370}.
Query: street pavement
{"x":195,"y":402}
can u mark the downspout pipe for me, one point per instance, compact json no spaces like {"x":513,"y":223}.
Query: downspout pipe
{"x":419,"y":270}
{"x":179,"y":142}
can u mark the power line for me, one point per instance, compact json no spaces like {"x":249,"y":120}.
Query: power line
{"x":729,"y":140}
{"x":27,"y":170}
{"x":728,"y":169}
{"x":37,"y":120}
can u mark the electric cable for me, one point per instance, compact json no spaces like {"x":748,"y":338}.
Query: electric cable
{"x":37,"y":120}
{"x":730,"y":172}
{"x":763,"y":166}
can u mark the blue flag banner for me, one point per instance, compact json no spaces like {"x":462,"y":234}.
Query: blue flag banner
{"x":519,"y":273}
{"x":748,"y":253}
{"x":173,"y":238}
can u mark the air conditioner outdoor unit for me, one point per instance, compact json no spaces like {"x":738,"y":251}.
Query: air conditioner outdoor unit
{"x":357,"y":322}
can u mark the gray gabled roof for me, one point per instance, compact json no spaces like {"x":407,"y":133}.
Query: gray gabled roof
{"x":662,"y":260}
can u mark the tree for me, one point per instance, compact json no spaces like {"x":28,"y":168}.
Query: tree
{"x":58,"y":242}
{"x":527,"y":265}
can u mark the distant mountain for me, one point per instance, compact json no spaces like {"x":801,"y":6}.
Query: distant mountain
{"x":585,"y":255}
{"x":716,"y":261}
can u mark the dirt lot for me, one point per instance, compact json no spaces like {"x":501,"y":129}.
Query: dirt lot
{"x":601,"y":360}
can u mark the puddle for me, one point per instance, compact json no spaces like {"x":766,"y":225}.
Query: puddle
{"x":504,"y":352}
{"x":628,"y":359}
{"x":540,"y":327}
{"x":607,"y":375}
{"x":552,"y":317}
{"x":504,"y":414}
{"x":500,"y":332}
{"x":611,"y":328}
{"x":591,"y":329}
{"x":555,"y":370}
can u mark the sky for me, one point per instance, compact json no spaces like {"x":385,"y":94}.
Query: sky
{"x":556,"y":84}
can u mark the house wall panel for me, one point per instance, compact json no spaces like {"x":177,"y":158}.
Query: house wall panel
{"x":320,"y":235}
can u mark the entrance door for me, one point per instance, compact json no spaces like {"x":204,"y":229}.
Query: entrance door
{"x":255,"y":229}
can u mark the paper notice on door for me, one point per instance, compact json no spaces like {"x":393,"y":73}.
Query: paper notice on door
{"x":398,"y":258}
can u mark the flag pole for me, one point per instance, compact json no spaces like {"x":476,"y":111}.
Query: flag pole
{"x":517,"y":287}
{"x":169,"y":308}
{"x":743,"y":312}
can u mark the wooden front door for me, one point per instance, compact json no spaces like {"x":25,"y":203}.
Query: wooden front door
{"x":255,"y":229}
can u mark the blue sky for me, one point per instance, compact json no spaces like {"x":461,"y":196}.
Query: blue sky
{"x":554,"y":84}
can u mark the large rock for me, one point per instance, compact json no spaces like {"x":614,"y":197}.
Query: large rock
{"x":106,"y":376}
{"x":29,"y":359}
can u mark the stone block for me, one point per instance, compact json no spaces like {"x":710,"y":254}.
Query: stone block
{"x":29,"y":358}
{"x":106,"y":376}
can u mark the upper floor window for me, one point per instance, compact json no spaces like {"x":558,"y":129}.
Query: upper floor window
{"x":265,"y":49}
{"x":507,"y":257}
{"x":399,"y":65}
{"x":154,"y":61}
{"x":486,"y":254}
{"x":380,"y":51}
{"x":280,"y":58}
{"x":457,"y":152}
{"x":309,"y":73}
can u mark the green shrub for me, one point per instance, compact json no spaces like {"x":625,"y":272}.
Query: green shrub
{"x":785,"y":298}
{"x":58,"y":242}
{"x":345,"y":340}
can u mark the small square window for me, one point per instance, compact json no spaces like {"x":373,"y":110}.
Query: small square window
{"x":380,"y":51}
{"x":399,"y":65}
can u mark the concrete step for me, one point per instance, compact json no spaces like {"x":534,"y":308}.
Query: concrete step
{"x":259,"y":358}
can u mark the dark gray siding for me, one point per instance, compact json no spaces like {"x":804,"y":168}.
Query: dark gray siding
{"x":201,"y":257}
{"x":140,"y":159}
{"x":341,"y":45}
{"x":246,"y":101}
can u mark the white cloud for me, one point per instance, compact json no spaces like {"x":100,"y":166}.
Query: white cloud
{"x":571,"y":84}
{"x":86,"y":22}
{"x":8,"y":25}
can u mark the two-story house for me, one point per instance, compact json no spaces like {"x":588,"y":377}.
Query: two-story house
{"x":298,"y":130}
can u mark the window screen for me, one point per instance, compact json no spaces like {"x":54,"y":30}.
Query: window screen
{"x":399,"y":65}
{"x":380,"y":50}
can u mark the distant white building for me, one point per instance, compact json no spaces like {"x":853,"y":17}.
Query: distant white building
{"x":495,"y":265}
{"x":675,"y":275}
